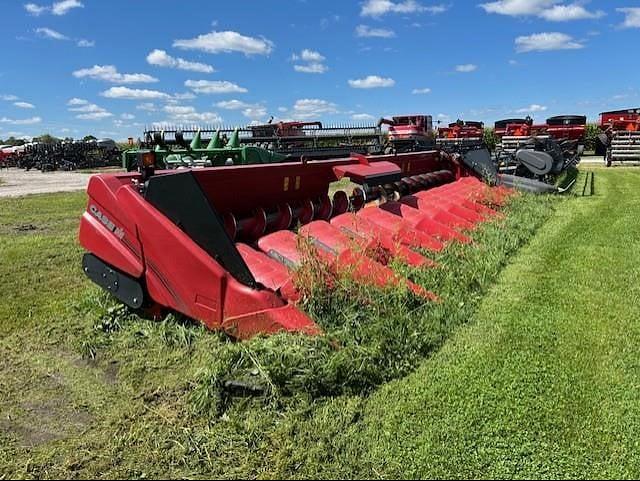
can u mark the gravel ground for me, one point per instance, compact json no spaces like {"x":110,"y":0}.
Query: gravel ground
{"x":18,"y":182}
{"x":592,"y":160}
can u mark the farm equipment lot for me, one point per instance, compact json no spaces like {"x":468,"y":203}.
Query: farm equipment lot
{"x":527,"y":368}
{"x":17,"y":182}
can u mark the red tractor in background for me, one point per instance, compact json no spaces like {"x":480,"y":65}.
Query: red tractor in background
{"x":620,"y":140}
{"x":409,"y":133}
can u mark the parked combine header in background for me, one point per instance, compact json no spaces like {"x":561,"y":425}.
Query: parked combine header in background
{"x":620,"y":141}
{"x":408,"y":133}
{"x":540,"y":151}
{"x":215,"y":152}
{"x":293,"y":140}
{"x":461,"y":136}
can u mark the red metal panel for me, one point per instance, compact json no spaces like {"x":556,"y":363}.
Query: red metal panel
{"x":382,"y":239}
{"x":361,"y":173}
{"x":428,"y":205}
{"x":416,"y":216}
{"x":269,"y":272}
{"x":331,"y":245}
{"x":405,"y":230}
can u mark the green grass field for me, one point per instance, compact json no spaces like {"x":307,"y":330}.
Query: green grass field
{"x":528,"y":368}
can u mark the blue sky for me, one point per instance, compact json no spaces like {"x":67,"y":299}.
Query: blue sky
{"x":74,"y":67}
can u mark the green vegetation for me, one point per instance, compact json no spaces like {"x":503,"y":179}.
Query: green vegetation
{"x":490,"y":138}
{"x":593,"y":130}
{"x":12,"y":141}
{"x":531,"y":376}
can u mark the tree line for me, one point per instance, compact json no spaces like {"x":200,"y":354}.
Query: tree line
{"x":43,"y":139}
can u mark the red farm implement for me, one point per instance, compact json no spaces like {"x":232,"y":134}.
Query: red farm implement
{"x":291,"y":140}
{"x":409,"y":133}
{"x":620,"y":141}
{"x":218,"y":244}
{"x":296,"y":140}
{"x":540,"y":151}
{"x":461,"y":136}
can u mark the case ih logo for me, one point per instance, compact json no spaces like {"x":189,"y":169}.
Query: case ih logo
{"x":119,"y":233}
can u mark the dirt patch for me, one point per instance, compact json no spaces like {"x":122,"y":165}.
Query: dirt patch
{"x":25,"y":228}
{"x":41,"y":422}
{"x":18,"y":182}
{"x":108,"y":370}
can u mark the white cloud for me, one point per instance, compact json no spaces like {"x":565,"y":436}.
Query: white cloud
{"x":61,"y":8}
{"x":550,"y":10}
{"x":214,"y":87}
{"x":217,"y":42}
{"x":251,"y":111}
{"x":184,"y":96}
{"x":517,"y":8}
{"x":77,"y":101}
{"x":377,"y":8}
{"x":421,"y":91}
{"x":147,"y":107}
{"x":362,"y":117}
{"x":52,"y":34}
{"x":543,"y":42}
{"x":133,"y":94}
{"x":313,"y":108}
{"x":31,"y":121}
{"x":86,"y":43}
{"x":314,"y":62}
{"x":533,"y":108}
{"x":179,"y":109}
{"x":233,"y":105}
{"x":95,"y":116}
{"x":127,"y":117}
{"x":308,"y":56}
{"x":161,"y":58}
{"x":87,"y":111}
{"x":9,"y":98}
{"x":311,"y":68}
{"x":632,"y":17}
{"x":364,"y":31}
{"x":188,"y":114}
{"x":58,"y":8}
{"x":255,"y":113}
{"x":567,"y":13}
{"x":24,"y":105}
{"x":372,"y":82}
{"x":109,"y":73}
{"x":466,"y":68}
{"x":34,"y":9}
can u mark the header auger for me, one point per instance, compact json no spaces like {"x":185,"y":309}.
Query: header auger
{"x":219,"y":245}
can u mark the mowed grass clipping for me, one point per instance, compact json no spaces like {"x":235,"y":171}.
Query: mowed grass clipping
{"x":88,"y":390}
